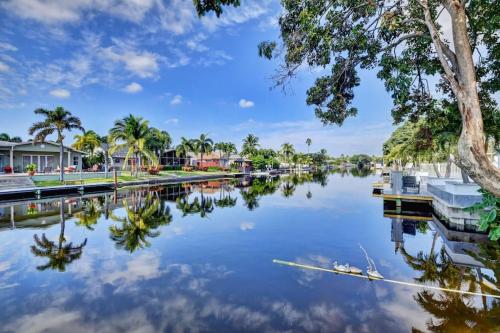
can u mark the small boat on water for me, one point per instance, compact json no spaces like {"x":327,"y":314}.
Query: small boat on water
{"x":371,"y":271}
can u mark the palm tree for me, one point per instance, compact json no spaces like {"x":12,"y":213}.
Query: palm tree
{"x":203,"y":145}
{"x":220,"y":147}
{"x":142,"y":218}
{"x":229,"y":149}
{"x":59,"y":254}
{"x":250,"y":144}
{"x":287,"y":151}
{"x":158,"y":141}
{"x":184,"y":148}
{"x":308,"y":143}
{"x":56,"y":121}
{"x":88,"y":142}
{"x":105,"y":148}
{"x":130,"y":133}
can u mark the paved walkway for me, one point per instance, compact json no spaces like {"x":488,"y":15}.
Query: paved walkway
{"x":15,"y":182}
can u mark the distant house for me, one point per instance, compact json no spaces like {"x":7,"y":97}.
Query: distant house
{"x":213,"y":159}
{"x":241,"y":163}
{"x":44,"y":154}
{"x":118,"y":159}
{"x":169,"y":157}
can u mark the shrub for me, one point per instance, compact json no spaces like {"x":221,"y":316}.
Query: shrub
{"x":31,"y":168}
{"x":203,"y":168}
{"x":187,"y":168}
{"x":154,"y":170}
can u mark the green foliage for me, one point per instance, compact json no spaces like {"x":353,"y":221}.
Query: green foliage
{"x":360,"y":160}
{"x":91,"y":160}
{"x":287,"y":150}
{"x":31,"y":167}
{"x":158,"y":141}
{"x":8,"y":138}
{"x":203,"y":145}
{"x":489,"y":214}
{"x":250,"y":145}
{"x":130,"y":133}
{"x":261,"y":162}
{"x":205,"y":6}
{"x":87,"y":142}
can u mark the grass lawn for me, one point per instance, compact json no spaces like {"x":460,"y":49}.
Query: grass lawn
{"x":128,"y":178}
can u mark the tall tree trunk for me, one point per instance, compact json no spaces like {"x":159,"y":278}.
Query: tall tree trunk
{"x":471,"y":145}
{"x":465,"y":177}
{"x":61,"y":160}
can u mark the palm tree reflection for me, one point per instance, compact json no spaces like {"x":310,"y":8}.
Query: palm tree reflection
{"x":452,"y":312}
{"x":92,"y":211}
{"x":60,"y":253}
{"x":143,"y":216}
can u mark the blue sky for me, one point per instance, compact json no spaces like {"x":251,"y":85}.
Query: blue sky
{"x":105,"y":59}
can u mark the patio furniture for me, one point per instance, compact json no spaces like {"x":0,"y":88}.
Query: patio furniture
{"x":47,"y":170}
{"x":410,"y":184}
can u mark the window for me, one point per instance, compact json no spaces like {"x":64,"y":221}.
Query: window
{"x":76,"y":160}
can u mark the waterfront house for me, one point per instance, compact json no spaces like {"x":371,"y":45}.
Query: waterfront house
{"x":45,"y":155}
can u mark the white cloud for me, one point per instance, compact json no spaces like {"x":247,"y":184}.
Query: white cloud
{"x":246,"y":103}
{"x":177,"y":17}
{"x":172,"y":121}
{"x":217,"y":57}
{"x":60,"y":93}
{"x":7,"y":47}
{"x":232,"y":16}
{"x":133,"y":88}
{"x":47,"y":11}
{"x":141,"y":63}
{"x":134,"y":10}
{"x":176,"y":100}
{"x":194,"y":43}
{"x":4,"y":67}
{"x":63,"y":11}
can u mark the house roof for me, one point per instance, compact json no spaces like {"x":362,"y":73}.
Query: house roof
{"x":49,"y":143}
{"x":210,"y":156}
{"x":7,"y":144}
{"x":239,"y":158}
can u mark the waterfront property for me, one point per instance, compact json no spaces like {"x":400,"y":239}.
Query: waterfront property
{"x":175,"y":258}
{"x":14,"y":157}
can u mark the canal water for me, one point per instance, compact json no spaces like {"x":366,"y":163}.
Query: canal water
{"x":199,"y":258}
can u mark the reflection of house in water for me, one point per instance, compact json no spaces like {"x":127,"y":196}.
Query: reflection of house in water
{"x":459,"y":246}
{"x":36,"y":214}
